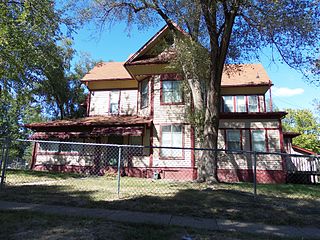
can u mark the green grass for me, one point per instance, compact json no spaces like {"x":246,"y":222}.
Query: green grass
{"x":283,"y":204}
{"x":16,"y":225}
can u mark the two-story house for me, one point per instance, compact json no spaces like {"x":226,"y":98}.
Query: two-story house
{"x":141,"y":102}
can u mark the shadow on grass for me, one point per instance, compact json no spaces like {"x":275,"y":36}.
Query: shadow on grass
{"x":218,"y":203}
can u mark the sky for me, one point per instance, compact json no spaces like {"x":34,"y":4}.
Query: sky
{"x":290,"y":89}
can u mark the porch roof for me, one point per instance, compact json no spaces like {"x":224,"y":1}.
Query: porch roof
{"x":96,"y":132}
{"x":88,"y":123}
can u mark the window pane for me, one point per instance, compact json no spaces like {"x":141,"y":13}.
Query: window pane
{"x":258,"y":141}
{"x":233,"y":140}
{"x":171,"y":91}
{"x":241,"y":104}
{"x":228,"y":103}
{"x":144,"y":93}
{"x":253,"y":103}
{"x":114,"y":101}
{"x":171,"y":137}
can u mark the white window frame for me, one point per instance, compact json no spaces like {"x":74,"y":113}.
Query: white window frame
{"x":117,"y":100}
{"x":261,"y":141}
{"x":175,"y":89}
{"x":252,"y":104}
{"x":172,"y":153}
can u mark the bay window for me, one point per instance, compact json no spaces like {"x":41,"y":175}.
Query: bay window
{"x":171,"y":136}
{"x":171,"y":91}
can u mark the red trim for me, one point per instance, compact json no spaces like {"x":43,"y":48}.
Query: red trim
{"x":264,"y":101}
{"x":138,"y":97}
{"x":152,"y":98}
{"x":252,"y":115}
{"x":258,"y":98}
{"x":183,"y":141}
{"x":151,"y":149}
{"x":266,"y":140}
{"x":303,"y":150}
{"x":61,"y":153}
{"x":246,"y":85}
{"x":192,"y":132}
{"x":234,"y":104}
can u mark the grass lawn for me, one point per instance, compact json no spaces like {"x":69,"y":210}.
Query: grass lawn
{"x":285,"y":204}
{"x":16,"y":225}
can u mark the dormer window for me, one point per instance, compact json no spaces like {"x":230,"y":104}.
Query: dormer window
{"x":171,"y":91}
{"x":144,"y":93}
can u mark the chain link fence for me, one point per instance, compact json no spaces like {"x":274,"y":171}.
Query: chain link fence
{"x":129,"y":170}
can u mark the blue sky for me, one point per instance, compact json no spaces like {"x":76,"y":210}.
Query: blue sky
{"x":290,"y":89}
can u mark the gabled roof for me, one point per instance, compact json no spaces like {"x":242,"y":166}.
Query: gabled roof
{"x":107,"y":71}
{"x":137,"y":58}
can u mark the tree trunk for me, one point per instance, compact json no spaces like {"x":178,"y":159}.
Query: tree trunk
{"x":208,"y":161}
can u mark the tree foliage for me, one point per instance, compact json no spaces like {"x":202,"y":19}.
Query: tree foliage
{"x":61,"y":91}
{"x":232,"y":31}
{"x":303,"y":122}
{"x":28,"y":31}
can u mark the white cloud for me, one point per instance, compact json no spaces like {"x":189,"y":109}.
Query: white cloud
{"x":287,"y":92}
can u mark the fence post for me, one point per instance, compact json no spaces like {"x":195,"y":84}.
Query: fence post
{"x":4,"y":160}
{"x":119,"y":165}
{"x":255,"y":174}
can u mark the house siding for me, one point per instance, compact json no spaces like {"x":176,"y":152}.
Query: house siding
{"x":100,"y":100}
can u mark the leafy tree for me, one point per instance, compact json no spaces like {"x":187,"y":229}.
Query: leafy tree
{"x":304,"y":122}
{"x":27,"y":29}
{"x":231,"y":31}
{"x":61,"y":90}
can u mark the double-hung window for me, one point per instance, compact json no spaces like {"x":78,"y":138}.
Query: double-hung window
{"x":241,"y":103}
{"x":228,"y":103}
{"x":258,"y":140}
{"x":144,"y":93}
{"x":171,"y":136}
{"x":233,"y":140}
{"x":171,"y":91}
{"x":114,"y":102}
{"x":253,"y":103}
